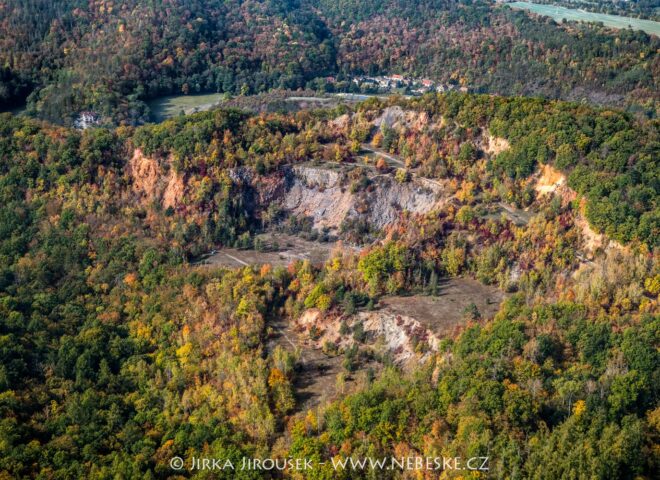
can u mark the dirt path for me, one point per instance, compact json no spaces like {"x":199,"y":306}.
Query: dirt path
{"x":316,"y":378}
{"x":392,"y":159}
{"x":517,"y":216}
{"x":235,"y":259}
{"x":290,"y":248}
{"x":396,"y":162}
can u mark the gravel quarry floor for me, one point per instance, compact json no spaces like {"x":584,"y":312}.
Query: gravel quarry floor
{"x":290,"y":249}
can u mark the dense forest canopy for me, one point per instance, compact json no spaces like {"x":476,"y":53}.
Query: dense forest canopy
{"x":110,"y":57}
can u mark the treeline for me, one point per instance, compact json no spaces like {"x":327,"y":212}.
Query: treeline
{"x":111,"y":58}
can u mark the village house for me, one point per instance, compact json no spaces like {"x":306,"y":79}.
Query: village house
{"x":86,"y":119}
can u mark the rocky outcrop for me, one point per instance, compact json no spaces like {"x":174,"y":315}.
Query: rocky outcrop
{"x":324,"y":195}
{"x":395,"y":117}
{"x":340,"y":123}
{"x":155,"y":181}
{"x":319,"y":194}
{"x":174,"y":190}
{"x":144,"y":172}
{"x":404,"y":338}
{"x":495,"y":145}
{"x":550,"y":181}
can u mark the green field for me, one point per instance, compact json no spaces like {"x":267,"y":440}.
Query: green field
{"x":167,"y":107}
{"x":613,"y":21}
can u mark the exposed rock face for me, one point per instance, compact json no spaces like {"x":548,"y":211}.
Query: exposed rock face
{"x":551,"y":181}
{"x":318,"y":193}
{"x":324,"y":196}
{"x":396,"y":117}
{"x":405,"y":338}
{"x":390,"y":117}
{"x":341,"y":122}
{"x":390,"y":198}
{"x":174,"y":190}
{"x":496,"y":145}
{"x":144,"y":172}
{"x":151,"y":182}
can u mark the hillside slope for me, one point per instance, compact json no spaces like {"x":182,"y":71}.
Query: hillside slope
{"x":117,"y":352}
{"x":110,"y":57}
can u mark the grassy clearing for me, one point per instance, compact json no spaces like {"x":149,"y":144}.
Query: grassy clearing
{"x":613,"y":21}
{"x":167,"y":107}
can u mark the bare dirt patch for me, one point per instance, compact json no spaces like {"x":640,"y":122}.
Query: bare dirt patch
{"x":518,"y":216}
{"x":549,"y":180}
{"x":496,"y":145}
{"x":285,"y":250}
{"x":444,"y":313}
{"x":408,"y":329}
{"x":316,"y":380}
{"x":515,"y":215}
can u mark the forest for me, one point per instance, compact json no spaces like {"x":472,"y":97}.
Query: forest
{"x":66,"y":57}
{"x":118,"y":353}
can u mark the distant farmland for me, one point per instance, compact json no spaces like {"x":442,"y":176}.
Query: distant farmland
{"x":171,"y":106}
{"x":613,"y":21}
